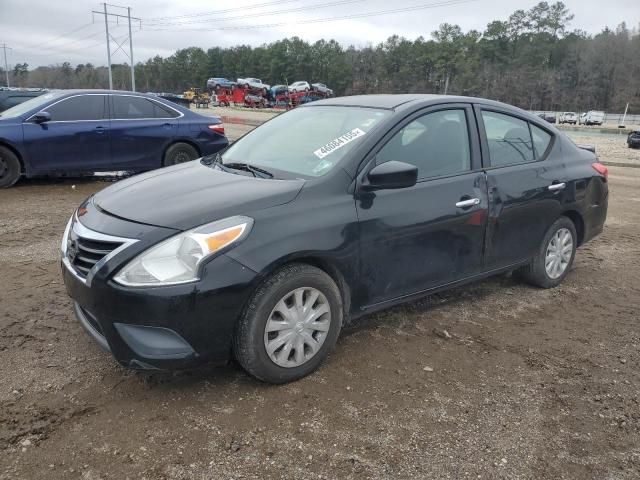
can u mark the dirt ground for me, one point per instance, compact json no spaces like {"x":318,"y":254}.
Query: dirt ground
{"x":524,"y":384}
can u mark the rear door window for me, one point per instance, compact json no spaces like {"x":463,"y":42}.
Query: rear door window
{"x":126,"y":107}
{"x":78,"y":108}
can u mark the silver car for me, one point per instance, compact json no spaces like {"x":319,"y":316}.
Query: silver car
{"x":254,"y":83}
{"x":322,"y":88}
{"x":299,"y":87}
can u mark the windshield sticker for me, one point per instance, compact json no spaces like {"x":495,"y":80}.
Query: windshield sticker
{"x":339,"y":142}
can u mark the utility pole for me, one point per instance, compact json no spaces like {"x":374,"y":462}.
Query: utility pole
{"x":106,"y":29}
{"x":119,"y":44}
{"x":133,"y":72}
{"x":6,"y":67}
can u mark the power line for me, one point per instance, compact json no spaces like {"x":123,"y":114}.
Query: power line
{"x":65,"y":44}
{"x":260,"y":14}
{"x":444,"y":3}
{"x":75,"y":49}
{"x":82,"y":27}
{"x":226,"y":10}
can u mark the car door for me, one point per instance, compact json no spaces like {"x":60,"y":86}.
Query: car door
{"x":525,"y":176}
{"x":76,"y":139}
{"x":141,"y":130}
{"x":417,"y":238}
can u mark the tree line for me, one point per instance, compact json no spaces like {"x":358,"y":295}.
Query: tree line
{"x":532,"y":60}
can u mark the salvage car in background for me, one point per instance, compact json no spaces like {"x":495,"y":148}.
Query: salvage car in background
{"x":299,"y":87}
{"x":321,"y":87}
{"x":568,"y":117}
{"x":548,"y":117}
{"x":79,"y":131}
{"x":633,"y":139}
{"x":219,"y":82}
{"x":254,"y":83}
{"x":327,"y":212}
{"x":592,"y":117}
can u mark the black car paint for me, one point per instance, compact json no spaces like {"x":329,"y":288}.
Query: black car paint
{"x":381,"y":247}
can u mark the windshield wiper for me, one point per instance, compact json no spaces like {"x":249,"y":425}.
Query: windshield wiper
{"x":256,"y":171}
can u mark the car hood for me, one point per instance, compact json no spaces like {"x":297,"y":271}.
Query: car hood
{"x":191,"y":194}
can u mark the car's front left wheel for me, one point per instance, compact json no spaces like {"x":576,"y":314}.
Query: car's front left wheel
{"x":289,"y":325}
{"x":9,"y":168}
{"x":554,"y":257}
{"x":179,"y":153}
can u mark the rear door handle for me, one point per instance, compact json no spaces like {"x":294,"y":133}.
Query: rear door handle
{"x":468,"y":203}
{"x":100,"y":129}
{"x":557,"y":186}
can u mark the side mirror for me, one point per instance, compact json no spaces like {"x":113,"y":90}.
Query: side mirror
{"x":391,"y":175}
{"x":41,"y":117}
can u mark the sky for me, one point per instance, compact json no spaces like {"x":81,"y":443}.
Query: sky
{"x":44,"y":32}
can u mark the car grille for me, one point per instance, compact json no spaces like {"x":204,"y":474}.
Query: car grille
{"x":83,"y":253}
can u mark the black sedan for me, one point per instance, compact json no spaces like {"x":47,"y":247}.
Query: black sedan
{"x":633,"y":139}
{"x":323,"y":214}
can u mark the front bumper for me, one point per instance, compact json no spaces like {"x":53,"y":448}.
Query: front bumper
{"x":164,"y":327}
{"x":167,"y":327}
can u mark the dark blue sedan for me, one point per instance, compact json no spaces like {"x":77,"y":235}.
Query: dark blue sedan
{"x":78,"y":131}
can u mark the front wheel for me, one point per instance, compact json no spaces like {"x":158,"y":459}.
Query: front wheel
{"x":290,"y":324}
{"x":9,"y":168}
{"x":179,"y":153}
{"x":554,"y":257}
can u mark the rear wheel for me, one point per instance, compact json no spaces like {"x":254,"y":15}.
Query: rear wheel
{"x":9,"y":168}
{"x":179,"y":153}
{"x":554,"y":257}
{"x":290,"y":325}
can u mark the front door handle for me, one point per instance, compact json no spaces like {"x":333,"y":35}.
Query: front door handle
{"x":468,"y":203}
{"x":100,"y":130}
{"x":557,"y":186}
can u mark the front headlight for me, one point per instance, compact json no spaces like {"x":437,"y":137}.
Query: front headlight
{"x":177,"y":259}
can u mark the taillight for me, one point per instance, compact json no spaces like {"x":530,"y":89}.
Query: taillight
{"x":218,"y":128}
{"x":601,"y":169}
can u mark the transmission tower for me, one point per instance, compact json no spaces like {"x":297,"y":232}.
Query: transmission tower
{"x":110,"y":38}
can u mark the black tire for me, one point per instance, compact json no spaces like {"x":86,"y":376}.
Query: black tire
{"x":248,"y":343}
{"x":9,"y":168}
{"x":179,"y":153}
{"x":535,"y":273}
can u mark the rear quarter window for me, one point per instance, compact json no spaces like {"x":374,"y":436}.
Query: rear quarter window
{"x":508,"y":138}
{"x":541,"y":141}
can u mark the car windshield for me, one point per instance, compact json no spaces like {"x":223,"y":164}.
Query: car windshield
{"x":307,"y":141}
{"x":30,"y":104}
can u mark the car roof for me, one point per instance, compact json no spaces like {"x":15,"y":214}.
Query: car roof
{"x":401,"y":101}
{"x":97,"y":90}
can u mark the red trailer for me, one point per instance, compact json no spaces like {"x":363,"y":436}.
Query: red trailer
{"x":224,"y":97}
